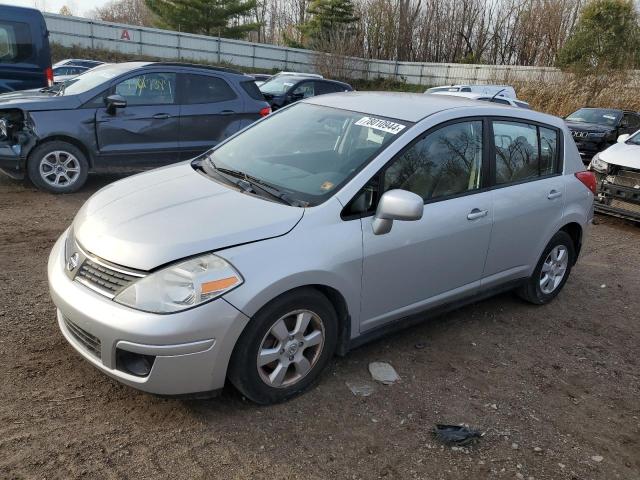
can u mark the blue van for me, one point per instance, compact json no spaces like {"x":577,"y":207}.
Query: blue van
{"x":25,"y":57}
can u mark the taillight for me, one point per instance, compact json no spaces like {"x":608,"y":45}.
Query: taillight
{"x":265,"y":111}
{"x":48,"y":75}
{"x":588,"y":179}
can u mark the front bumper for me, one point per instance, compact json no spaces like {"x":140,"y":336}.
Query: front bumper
{"x":617,"y":200}
{"x":190,"y":349}
{"x":11,"y":160}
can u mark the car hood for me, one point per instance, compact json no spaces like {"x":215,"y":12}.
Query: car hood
{"x":34,"y":100}
{"x":588,"y":127}
{"x":170,"y":213}
{"x":623,"y":155}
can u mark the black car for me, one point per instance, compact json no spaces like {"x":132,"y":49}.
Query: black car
{"x":127,"y":114}
{"x":595,"y":129}
{"x":282,"y":90}
{"x":25,"y":58}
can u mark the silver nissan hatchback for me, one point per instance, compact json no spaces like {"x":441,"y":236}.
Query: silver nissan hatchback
{"x":312,"y":231}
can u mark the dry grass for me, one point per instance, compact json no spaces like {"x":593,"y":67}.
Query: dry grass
{"x":614,"y":90}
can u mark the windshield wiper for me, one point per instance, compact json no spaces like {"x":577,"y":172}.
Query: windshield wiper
{"x":251,"y":181}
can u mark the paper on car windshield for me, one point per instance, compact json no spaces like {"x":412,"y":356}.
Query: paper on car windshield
{"x":380,"y":124}
{"x":609,"y":117}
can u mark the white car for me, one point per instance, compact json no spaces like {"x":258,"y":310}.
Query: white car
{"x":618,"y":173}
{"x":501,"y":99}
{"x":504,"y":90}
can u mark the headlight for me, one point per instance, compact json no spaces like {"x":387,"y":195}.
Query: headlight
{"x":598,"y":164}
{"x":182,"y":285}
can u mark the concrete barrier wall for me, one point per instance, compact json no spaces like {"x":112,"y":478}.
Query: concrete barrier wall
{"x":70,"y":31}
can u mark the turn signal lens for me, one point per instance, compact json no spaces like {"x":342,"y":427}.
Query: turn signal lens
{"x":265,"y":111}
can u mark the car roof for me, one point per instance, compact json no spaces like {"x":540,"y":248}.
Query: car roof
{"x":413,"y":107}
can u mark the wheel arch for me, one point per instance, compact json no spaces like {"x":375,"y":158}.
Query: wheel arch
{"x":574,"y":230}
{"x":65,"y":138}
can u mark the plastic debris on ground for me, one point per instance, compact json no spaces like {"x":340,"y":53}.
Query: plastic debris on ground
{"x":383,"y":373}
{"x":361,"y":389}
{"x":457,"y":435}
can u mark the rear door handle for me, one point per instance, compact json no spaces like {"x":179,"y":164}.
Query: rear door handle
{"x":227,"y":112}
{"x":554,"y":194}
{"x":161,"y":116}
{"x":477,"y":213}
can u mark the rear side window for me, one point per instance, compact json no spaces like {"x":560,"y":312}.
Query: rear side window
{"x":252,"y":90}
{"x":524,"y":151}
{"x":206,"y":89}
{"x":446,"y":162}
{"x":148,"y":89}
{"x":15,"y":42}
{"x":325,"y":87}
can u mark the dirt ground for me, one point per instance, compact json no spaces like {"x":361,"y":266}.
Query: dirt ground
{"x":556,"y":388}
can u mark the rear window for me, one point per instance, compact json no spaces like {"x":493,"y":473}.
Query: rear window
{"x":207,"y":89}
{"x":252,"y":90}
{"x":15,"y":42}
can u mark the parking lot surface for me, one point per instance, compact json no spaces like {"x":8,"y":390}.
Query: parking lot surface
{"x":556,"y":388}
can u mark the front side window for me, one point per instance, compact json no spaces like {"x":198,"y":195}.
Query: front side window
{"x":15,"y":42}
{"x":446,"y":162}
{"x":308,"y":151}
{"x":524,"y":151}
{"x":304,"y":90}
{"x":148,"y":89}
{"x":206,"y":89}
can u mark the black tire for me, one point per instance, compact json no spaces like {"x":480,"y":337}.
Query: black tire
{"x":532,"y":291}
{"x":244,"y":371}
{"x":46,"y":152}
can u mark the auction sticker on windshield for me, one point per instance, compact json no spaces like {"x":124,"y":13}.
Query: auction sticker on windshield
{"x":380,"y":124}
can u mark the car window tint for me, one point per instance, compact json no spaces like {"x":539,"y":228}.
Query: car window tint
{"x":324,"y":87}
{"x":15,"y":42}
{"x":148,"y":89}
{"x":516,"y":151}
{"x":445,"y":162}
{"x":548,"y":151}
{"x":305,"y":89}
{"x":207,"y":89}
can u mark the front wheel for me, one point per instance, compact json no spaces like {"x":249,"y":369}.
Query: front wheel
{"x":285,"y":347}
{"x":551,"y":272}
{"x":57,"y":167}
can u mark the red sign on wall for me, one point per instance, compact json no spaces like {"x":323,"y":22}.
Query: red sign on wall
{"x":125,"y":35}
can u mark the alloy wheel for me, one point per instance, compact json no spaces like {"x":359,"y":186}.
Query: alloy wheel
{"x":554,"y":269}
{"x":59,"y":168}
{"x":291,"y":348}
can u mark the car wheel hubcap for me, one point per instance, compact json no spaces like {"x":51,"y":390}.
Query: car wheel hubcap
{"x":291,"y":348}
{"x":59,"y":168}
{"x":554,"y":269}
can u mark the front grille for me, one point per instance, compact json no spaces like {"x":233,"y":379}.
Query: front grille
{"x":90,"y":342}
{"x":103,"y":278}
{"x":630,"y":207}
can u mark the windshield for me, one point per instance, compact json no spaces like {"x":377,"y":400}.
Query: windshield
{"x":92,"y":78}
{"x":599,"y":116}
{"x":307,"y":151}
{"x":277,"y":85}
{"x":634,"y":139}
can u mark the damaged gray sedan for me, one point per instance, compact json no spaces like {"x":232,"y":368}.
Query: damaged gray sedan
{"x":123,"y":115}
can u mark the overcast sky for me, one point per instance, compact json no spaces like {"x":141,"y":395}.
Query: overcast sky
{"x":78,"y":7}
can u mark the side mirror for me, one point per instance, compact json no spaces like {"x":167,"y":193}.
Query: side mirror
{"x":113,"y":102}
{"x":294,"y":97}
{"x":396,"y":205}
{"x":623,"y":138}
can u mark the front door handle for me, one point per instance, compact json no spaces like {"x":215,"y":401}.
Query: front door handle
{"x":161,"y":116}
{"x":227,"y":112}
{"x":554,"y":194}
{"x":477,"y":213}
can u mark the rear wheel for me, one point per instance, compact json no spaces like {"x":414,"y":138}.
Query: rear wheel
{"x":285,"y":347}
{"x":551,"y":272}
{"x":57,"y":167}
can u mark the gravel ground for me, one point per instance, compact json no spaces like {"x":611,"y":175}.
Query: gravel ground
{"x":556,"y":388}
